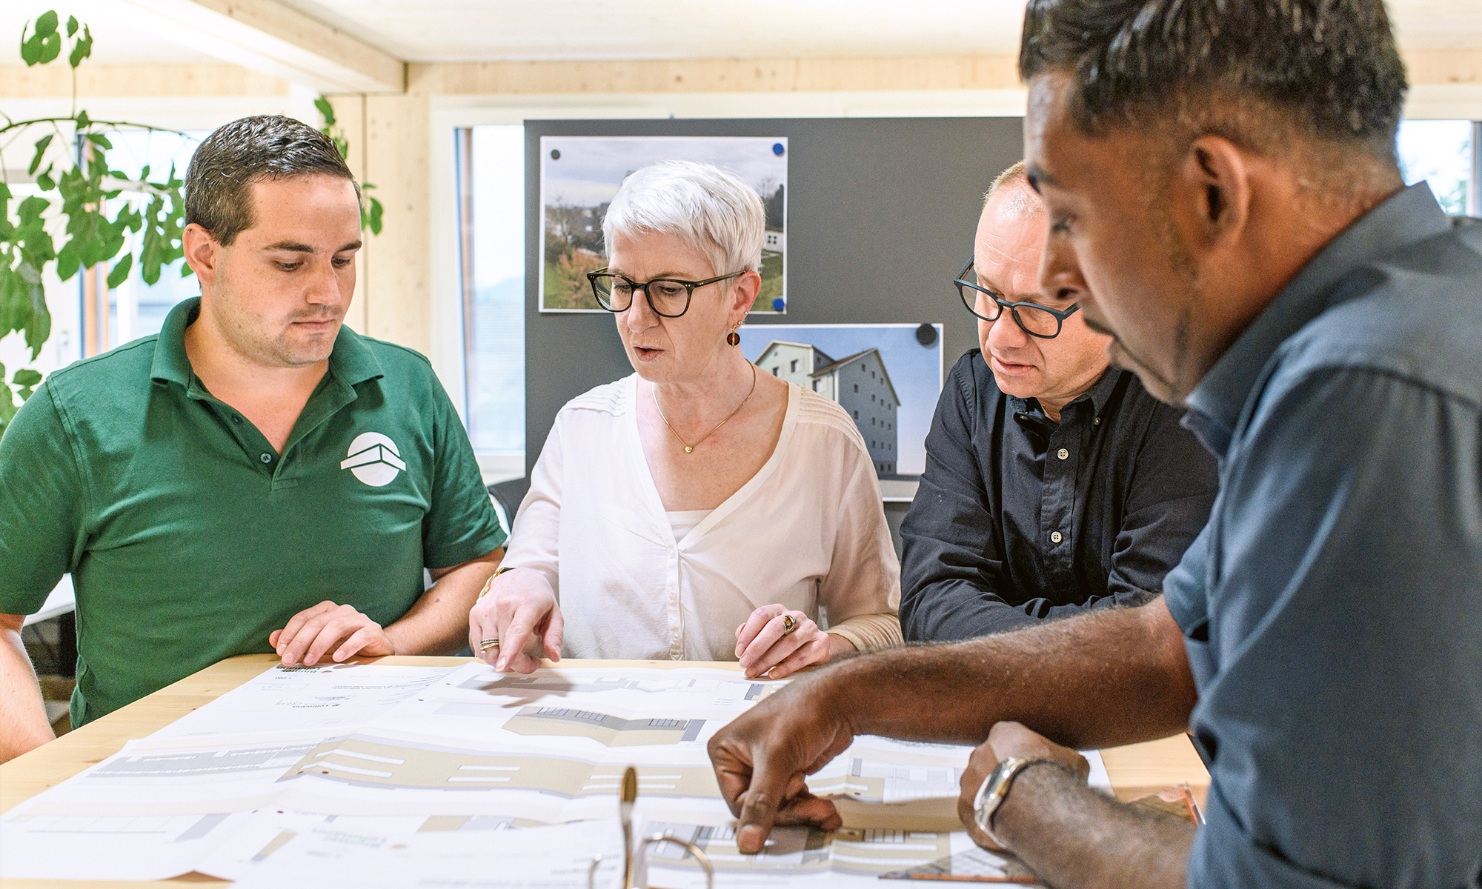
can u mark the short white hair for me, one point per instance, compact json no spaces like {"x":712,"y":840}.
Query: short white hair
{"x":709,"y":209}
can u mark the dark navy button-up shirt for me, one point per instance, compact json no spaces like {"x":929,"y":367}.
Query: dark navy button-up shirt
{"x":1019,"y":518}
{"x":1333,"y":607}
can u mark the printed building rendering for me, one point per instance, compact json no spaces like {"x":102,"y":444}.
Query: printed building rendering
{"x":859,"y":383}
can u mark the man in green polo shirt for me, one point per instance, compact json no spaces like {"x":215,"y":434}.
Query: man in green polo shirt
{"x":256,"y":477}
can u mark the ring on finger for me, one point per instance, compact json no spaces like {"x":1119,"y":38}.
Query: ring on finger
{"x":789,"y":624}
{"x":486,"y":644}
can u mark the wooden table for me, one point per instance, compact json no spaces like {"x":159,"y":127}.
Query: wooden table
{"x":1135,"y":771}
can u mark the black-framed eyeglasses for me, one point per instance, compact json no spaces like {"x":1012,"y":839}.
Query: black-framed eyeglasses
{"x":668,"y":297}
{"x":1032,"y":318}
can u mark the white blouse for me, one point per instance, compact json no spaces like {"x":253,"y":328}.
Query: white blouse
{"x":806,"y":530}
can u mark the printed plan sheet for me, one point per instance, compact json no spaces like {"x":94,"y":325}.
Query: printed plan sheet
{"x":462,"y":777}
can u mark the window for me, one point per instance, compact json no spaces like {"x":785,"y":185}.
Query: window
{"x":795,"y":365}
{"x":135,"y":309}
{"x":491,"y":186}
{"x":1445,"y":154}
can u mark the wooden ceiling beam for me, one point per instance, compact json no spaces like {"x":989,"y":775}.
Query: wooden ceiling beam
{"x":273,"y":38}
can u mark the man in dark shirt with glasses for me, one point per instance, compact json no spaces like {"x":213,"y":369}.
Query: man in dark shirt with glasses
{"x":1053,"y":483}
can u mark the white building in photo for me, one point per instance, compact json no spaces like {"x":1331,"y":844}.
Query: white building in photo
{"x":859,"y":383}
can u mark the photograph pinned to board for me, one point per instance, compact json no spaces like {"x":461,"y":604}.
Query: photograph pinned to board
{"x":888,"y":377}
{"x":579,"y":175}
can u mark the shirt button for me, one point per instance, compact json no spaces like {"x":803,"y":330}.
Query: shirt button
{"x":237,"y":418}
{"x":1062,"y":453}
{"x":1056,"y":537}
{"x":266,"y":458}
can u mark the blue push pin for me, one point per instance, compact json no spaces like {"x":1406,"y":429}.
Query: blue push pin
{"x":778,"y":304}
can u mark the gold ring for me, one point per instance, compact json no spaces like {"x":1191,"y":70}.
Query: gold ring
{"x":789,"y":623}
{"x":486,"y":644}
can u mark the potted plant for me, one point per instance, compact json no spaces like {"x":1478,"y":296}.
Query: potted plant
{"x":81,"y":212}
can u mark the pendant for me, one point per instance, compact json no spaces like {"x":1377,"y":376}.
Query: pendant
{"x":688,"y":449}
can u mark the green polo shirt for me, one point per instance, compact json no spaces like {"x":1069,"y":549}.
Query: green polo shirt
{"x":190,"y":539}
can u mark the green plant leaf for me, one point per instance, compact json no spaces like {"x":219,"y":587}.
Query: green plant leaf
{"x":41,"y":145}
{"x":26,"y":377}
{"x":46,"y":23}
{"x":67,"y":261}
{"x":29,"y":211}
{"x":38,"y":329}
{"x":120,"y":272}
{"x":100,"y":140}
{"x":326,"y":110}
{"x":372,"y":218}
{"x":82,"y":48}
{"x":71,"y":25}
{"x":51,"y":47}
{"x":12,"y":300}
{"x":83,"y":121}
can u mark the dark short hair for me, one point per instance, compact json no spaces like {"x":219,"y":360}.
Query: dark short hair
{"x":219,"y":179}
{"x":1330,"y":68}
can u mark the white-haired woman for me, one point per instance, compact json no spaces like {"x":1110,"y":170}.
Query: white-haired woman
{"x":697,"y":509}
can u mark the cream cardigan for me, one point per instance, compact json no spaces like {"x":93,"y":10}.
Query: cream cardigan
{"x":806,"y":530}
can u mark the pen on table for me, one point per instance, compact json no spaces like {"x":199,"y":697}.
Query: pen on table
{"x":625,"y":812}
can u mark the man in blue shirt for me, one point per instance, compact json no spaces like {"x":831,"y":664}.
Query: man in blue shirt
{"x":1054,"y":484}
{"x":1223,"y":194}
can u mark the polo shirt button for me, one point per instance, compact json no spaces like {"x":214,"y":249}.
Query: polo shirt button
{"x":266,"y":458}
{"x":1056,"y":537}
{"x":1062,"y":453}
{"x":237,"y":418}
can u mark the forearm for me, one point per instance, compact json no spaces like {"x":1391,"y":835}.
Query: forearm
{"x":25,"y":726}
{"x":438,"y":622}
{"x":1073,"y":837}
{"x":1098,"y":680}
{"x":954,"y":610}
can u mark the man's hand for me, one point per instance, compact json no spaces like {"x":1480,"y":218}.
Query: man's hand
{"x":764,"y":643}
{"x":312,"y":632}
{"x":1007,"y":739}
{"x":762,"y":757}
{"x":520,"y":611}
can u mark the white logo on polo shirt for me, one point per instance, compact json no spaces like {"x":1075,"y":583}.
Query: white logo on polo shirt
{"x":373,"y":459}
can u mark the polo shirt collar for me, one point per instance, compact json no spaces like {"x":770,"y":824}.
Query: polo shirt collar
{"x":1216,"y":402}
{"x":350,"y":362}
{"x":171,"y":364}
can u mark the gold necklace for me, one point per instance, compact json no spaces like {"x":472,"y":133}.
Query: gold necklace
{"x":689,"y":448}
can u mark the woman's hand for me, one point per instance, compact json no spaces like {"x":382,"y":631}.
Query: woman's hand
{"x":780,"y":642}
{"x":518,"y":611}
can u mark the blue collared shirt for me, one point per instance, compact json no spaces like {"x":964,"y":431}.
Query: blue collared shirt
{"x":1333,"y":607}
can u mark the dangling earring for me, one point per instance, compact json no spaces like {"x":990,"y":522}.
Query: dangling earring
{"x":733,"y":338}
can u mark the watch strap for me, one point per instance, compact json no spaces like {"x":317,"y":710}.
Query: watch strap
{"x":995,"y":789}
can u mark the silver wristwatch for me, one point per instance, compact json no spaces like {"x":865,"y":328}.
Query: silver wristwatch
{"x":995,"y":789}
